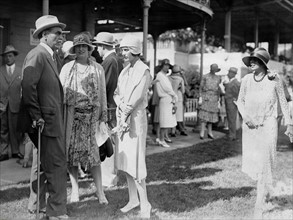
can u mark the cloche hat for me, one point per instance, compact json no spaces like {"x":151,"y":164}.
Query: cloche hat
{"x":104,"y":38}
{"x":260,"y":53}
{"x":176,"y":69}
{"x":133,"y":43}
{"x":81,"y":39}
{"x":45,"y":22}
{"x":214,"y":67}
{"x":10,"y":49}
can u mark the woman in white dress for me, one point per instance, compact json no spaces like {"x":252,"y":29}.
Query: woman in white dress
{"x":168,"y":98}
{"x":84,"y":87}
{"x":257,"y":102}
{"x":131,"y":100}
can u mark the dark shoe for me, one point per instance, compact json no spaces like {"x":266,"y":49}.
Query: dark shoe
{"x":4,"y":157}
{"x":173,"y":135}
{"x":210,"y":137}
{"x":201,"y":137}
{"x":18,"y":155}
{"x":168,"y":140}
{"x":183,"y":133}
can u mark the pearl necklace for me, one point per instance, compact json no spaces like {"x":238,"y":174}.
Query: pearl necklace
{"x":258,"y":80}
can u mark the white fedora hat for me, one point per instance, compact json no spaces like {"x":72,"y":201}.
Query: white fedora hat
{"x":45,"y":22}
{"x":105,"y":38}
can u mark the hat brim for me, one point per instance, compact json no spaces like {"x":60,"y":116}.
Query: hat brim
{"x":38,"y":31}
{"x":103,"y":43}
{"x":12,"y":51}
{"x":246,"y":60}
{"x":72,"y":52}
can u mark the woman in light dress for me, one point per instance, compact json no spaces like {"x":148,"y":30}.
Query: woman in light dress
{"x":84,"y":87}
{"x":168,"y":98}
{"x":209,"y":100}
{"x":258,"y":99}
{"x":131,"y":100}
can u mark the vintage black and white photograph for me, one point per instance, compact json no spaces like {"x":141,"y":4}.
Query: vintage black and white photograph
{"x":146,"y":109}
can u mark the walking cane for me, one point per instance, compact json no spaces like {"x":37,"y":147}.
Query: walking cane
{"x":38,"y":172}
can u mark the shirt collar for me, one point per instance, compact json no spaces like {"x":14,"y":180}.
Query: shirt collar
{"x":108,"y":53}
{"x":49,"y":49}
{"x":12,"y":67}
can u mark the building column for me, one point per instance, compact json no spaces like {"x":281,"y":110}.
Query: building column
{"x":203,"y":33}
{"x":276,"y":44}
{"x":146,"y":7}
{"x":228,"y":31}
{"x":256,"y":29}
{"x":45,"y":7}
{"x":292,"y":51}
{"x":155,"y":37}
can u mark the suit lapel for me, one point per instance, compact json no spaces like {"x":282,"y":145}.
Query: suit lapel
{"x":6,"y":76}
{"x":53,"y":65}
{"x":14,"y":75}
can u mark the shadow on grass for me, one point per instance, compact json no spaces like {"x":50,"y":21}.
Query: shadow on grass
{"x":171,"y":197}
{"x":177,"y":164}
{"x":14,"y":194}
{"x":281,"y":203}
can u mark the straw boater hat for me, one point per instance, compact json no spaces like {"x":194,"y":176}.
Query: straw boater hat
{"x":233,"y":70}
{"x":214,"y":67}
{"x":45,"y":22}
{"x":104,"y":38}
{"x":81,"y":39}
{"x":9,"y":49}
{"x":133,"y":43}
{"x":261,"y":54}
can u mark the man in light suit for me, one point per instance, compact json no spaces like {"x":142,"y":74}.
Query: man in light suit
{"x":232,"y":88}
{"x":10,"y":92}
{"x":42,"y":101}
{"x":112,"y":67}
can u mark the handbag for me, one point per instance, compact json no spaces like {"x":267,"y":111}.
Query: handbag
{"x":106,"y":150}
{"x":174,"y":109}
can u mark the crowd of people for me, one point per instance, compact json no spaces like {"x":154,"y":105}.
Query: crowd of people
{"x":80,"y":105}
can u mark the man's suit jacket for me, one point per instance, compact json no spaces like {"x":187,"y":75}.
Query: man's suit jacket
{"x":10,"y":88}
{"x":42,"y":92}
{"x":112,"y":67}
{"x":232,"y":90}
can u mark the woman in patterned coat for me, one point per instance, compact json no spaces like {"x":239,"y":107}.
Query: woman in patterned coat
{"x":209,"y":100}
{"x":84,"y":87}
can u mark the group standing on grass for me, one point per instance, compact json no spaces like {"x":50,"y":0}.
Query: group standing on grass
{"x":75,"y":101}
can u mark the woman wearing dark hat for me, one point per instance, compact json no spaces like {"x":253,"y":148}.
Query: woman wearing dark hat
{"x":85,"y":100}
{"x":260,"y":93}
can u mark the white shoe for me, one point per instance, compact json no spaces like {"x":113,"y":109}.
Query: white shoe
{"x":164,"y":144}
{"x":146,"y":212}
{"x":129,"y":207}
{"x":158,"y":141}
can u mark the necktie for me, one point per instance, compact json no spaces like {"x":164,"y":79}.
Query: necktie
{"x":9,"y":70}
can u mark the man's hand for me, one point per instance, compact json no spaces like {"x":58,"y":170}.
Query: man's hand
{"x":39,"y":123}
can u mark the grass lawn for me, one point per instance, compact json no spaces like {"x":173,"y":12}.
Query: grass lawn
{"x":199,"y":182}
